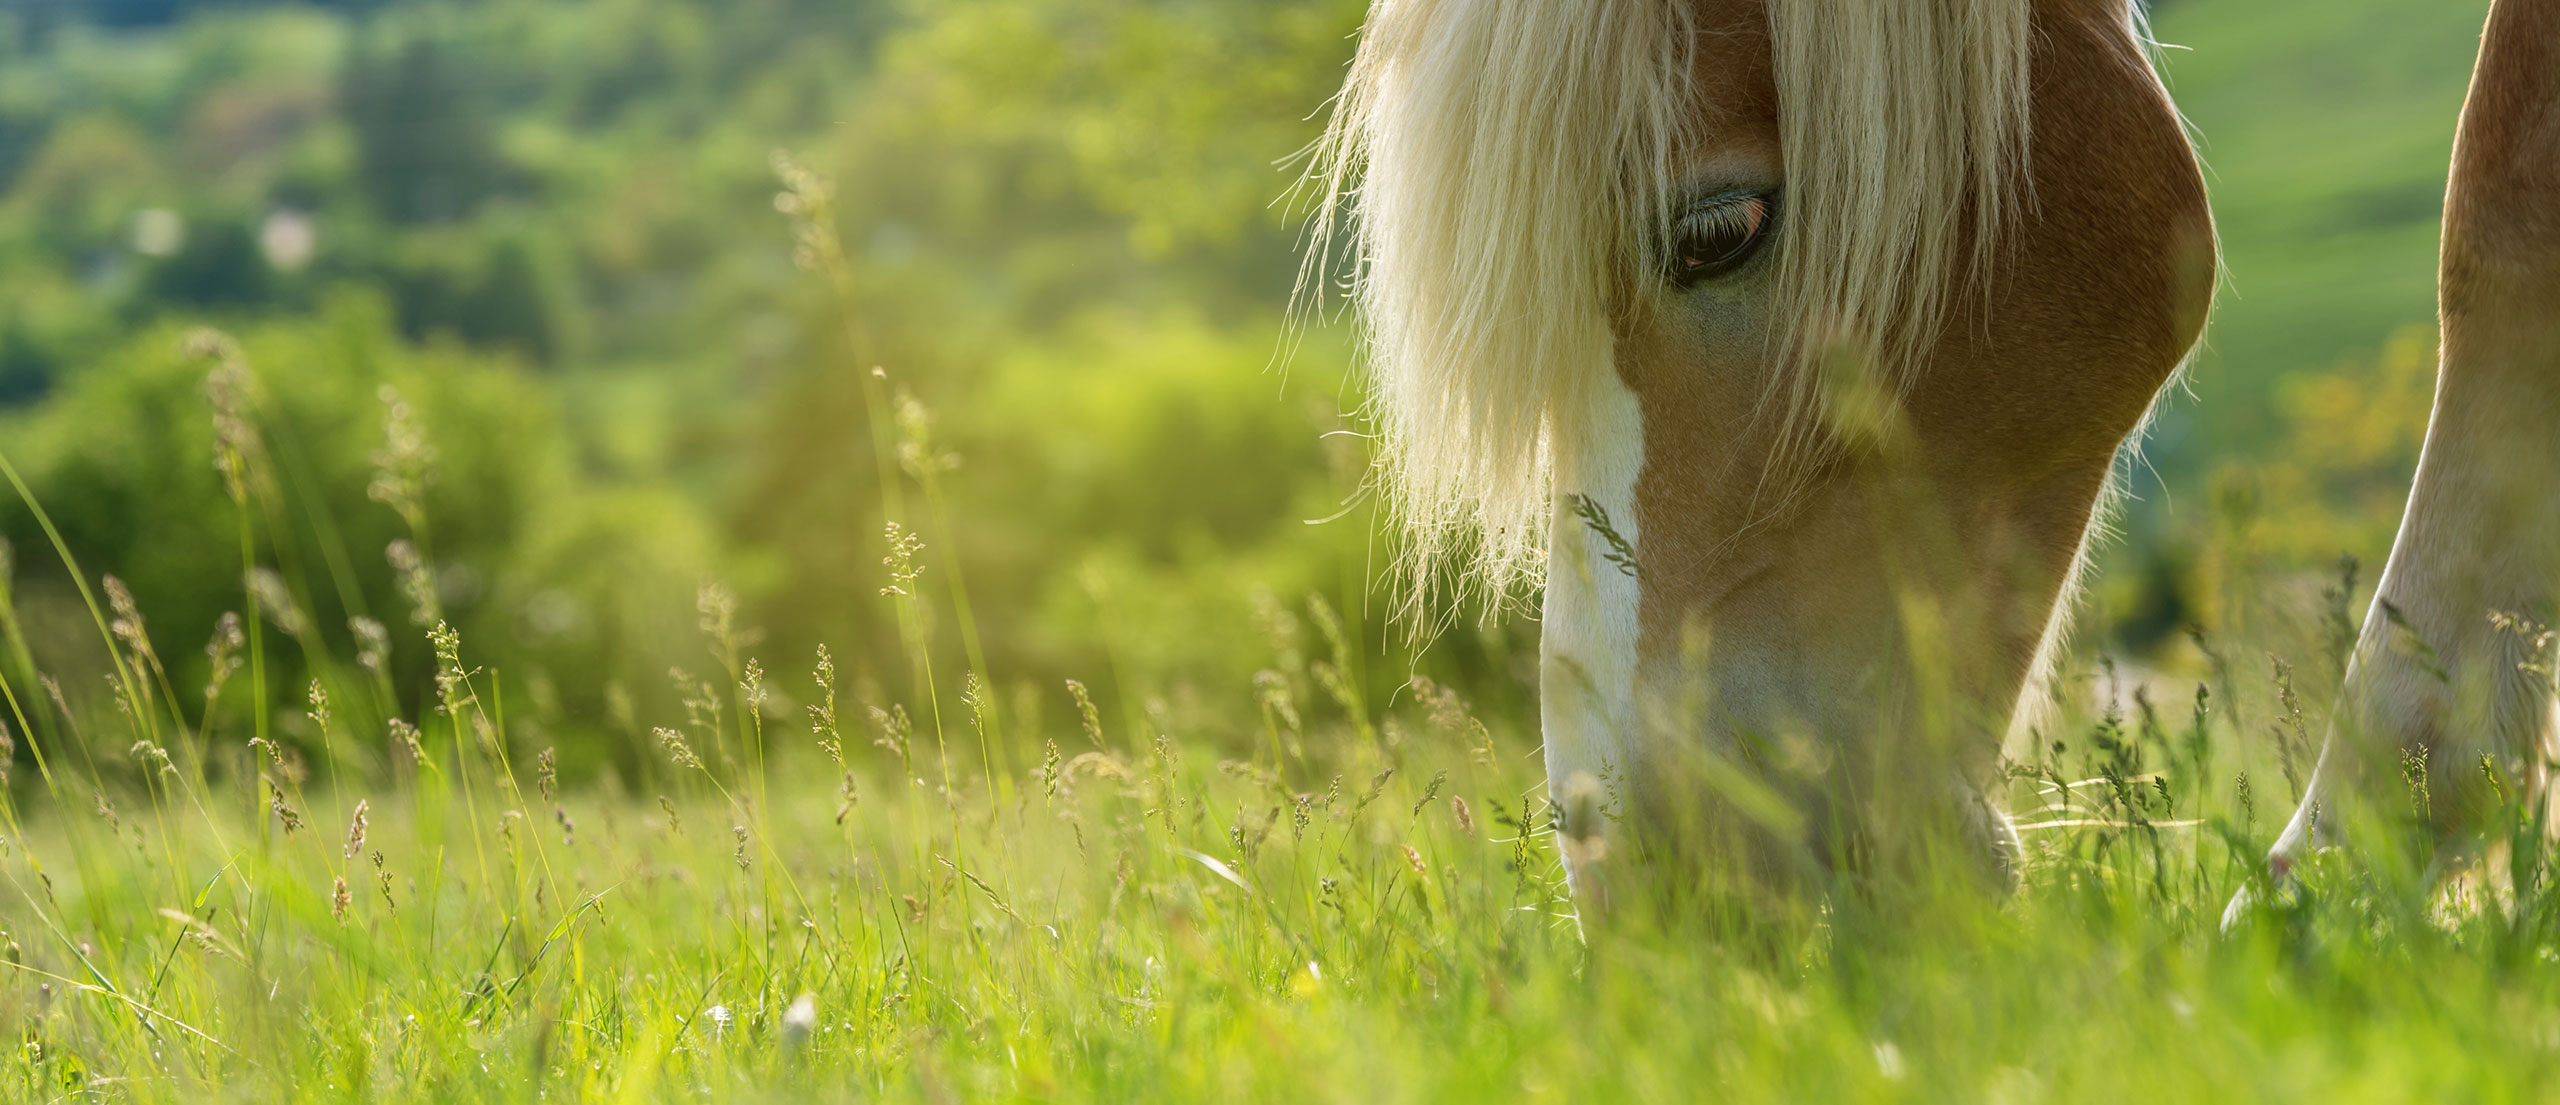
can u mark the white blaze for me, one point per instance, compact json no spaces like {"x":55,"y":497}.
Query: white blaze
{"x":1587,"y":647}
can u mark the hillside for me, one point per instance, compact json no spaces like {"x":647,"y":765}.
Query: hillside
{"x":2326,"y":126}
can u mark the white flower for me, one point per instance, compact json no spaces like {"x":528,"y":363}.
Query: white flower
{"x":800,"y":1020}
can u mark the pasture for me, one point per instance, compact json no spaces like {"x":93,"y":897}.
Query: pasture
{"x":743,"y":575}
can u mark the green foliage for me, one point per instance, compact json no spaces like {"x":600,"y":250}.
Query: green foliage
{"x":581,"y":574}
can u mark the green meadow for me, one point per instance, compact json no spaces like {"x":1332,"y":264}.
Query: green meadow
{"x":791,"y":550}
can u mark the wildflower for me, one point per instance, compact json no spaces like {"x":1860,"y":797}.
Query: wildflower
{"x":800,"y":1020}
{"x":339,"y":900}
{"x":719,"y":1017}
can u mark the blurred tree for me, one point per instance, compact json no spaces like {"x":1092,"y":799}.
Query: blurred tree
{"x":219,"y":266}
{"x":425,"y":150}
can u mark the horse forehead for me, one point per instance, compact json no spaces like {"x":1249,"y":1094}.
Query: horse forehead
{"x":1733,"y":68}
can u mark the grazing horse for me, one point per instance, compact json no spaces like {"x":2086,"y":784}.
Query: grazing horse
{"x":2453,"y":668}
{"x":1790,"y":344}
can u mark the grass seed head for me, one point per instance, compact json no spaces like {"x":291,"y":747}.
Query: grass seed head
{"x":355,"y":829}
{"x":404,"y":466}
{"x":673,"y":744}
{"x":373,"y":645}
{"x":417,"y":582}
{"x":284,"y":812}
{"x":275,"y":601}
{"x":404,"y":740}
{"x":128,"y":625}
{"x":1086,"y":713}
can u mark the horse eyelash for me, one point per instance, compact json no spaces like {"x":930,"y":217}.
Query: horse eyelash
{"x":1737,"y":214}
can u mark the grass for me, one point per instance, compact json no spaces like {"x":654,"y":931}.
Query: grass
{"x":1348,"y":901}
{"x":1365,"y":908}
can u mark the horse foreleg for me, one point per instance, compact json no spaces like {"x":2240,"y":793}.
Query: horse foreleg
{"x":2447,"y":707}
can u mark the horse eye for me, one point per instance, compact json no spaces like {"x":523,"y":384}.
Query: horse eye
{"x":1718,"y":236}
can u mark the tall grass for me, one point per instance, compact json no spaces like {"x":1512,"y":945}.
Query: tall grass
{"x":811,"y":897}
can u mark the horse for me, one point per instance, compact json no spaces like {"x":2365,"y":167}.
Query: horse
{"x":1789,"y":347}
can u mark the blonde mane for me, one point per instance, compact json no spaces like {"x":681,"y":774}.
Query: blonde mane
{"x":1505,"y":169}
